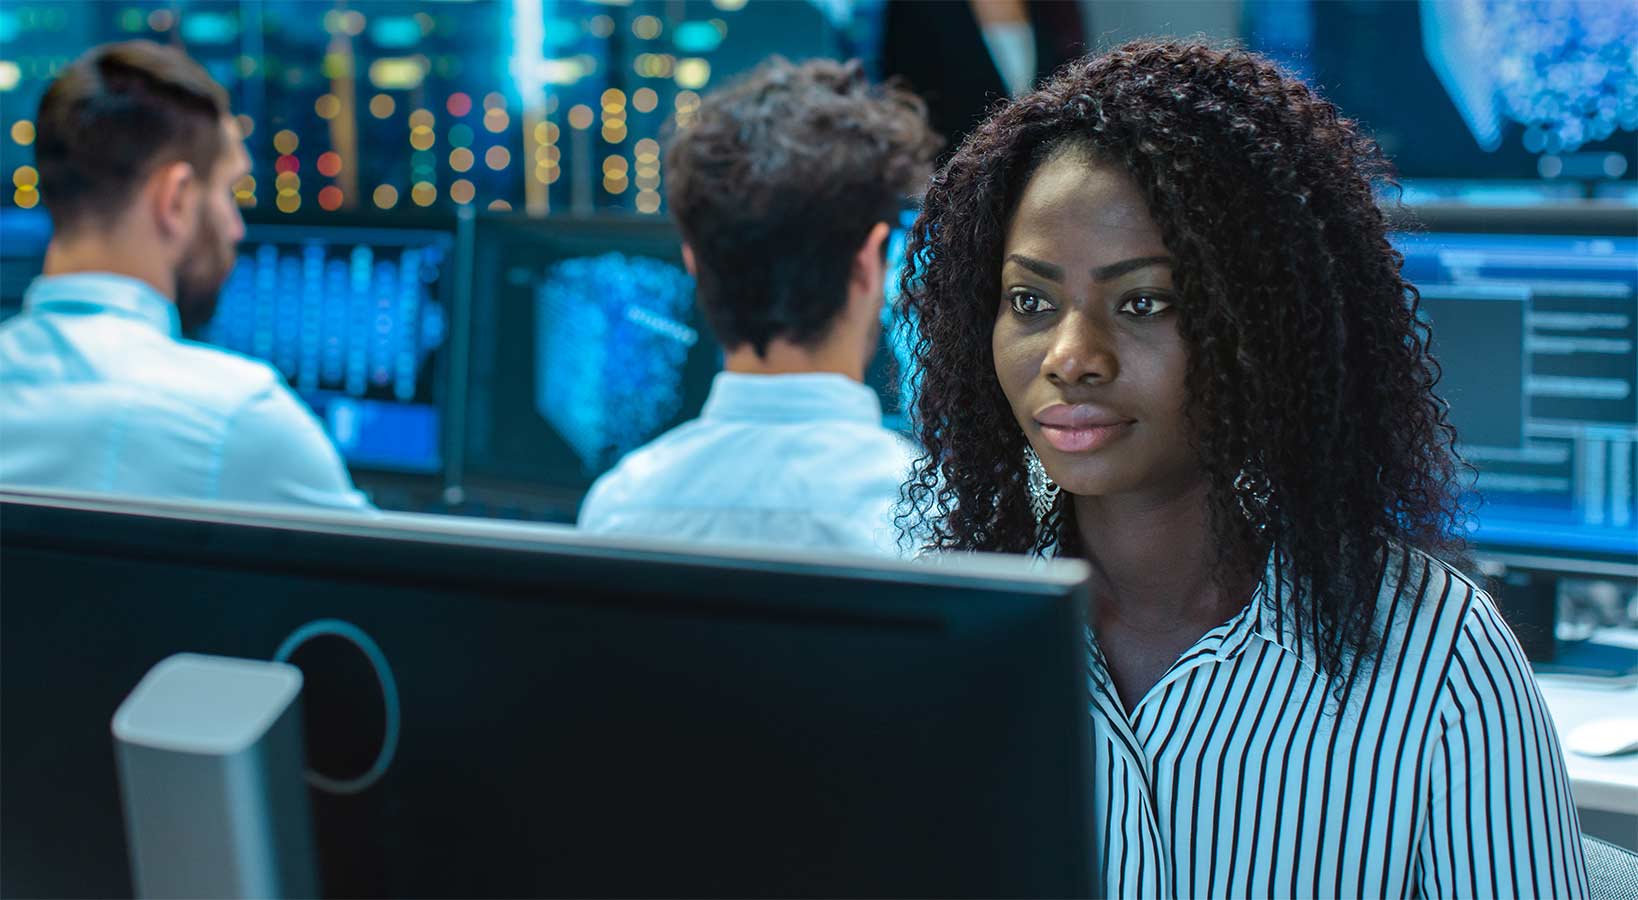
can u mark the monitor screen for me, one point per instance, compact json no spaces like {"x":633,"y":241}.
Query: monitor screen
{"x":586,"y":344}
{"x":574,"y":717}
{"x":356,"y":317}
{"x":24,"y":234}
{"x":1535,"y":336}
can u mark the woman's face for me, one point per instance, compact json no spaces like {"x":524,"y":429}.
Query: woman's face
{"x":1086,"y":343}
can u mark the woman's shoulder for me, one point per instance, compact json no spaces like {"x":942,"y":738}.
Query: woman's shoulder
{"x":1442,"y":625}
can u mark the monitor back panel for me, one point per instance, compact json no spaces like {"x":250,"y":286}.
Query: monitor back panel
{"x":572,"y":722}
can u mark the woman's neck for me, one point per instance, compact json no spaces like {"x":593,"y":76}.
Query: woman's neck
{"x":1154,"y":560}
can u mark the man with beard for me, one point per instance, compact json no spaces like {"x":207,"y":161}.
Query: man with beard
{"x":99,"y":391}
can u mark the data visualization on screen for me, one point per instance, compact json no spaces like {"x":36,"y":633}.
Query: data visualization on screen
{"x":1535,"y":334}
{"x":585,"y":345}
{"x":356,"y":319}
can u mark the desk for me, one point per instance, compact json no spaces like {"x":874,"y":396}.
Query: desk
{"x":1605,"y":788}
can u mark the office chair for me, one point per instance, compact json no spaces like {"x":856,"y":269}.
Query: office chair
{"x":1611,"y":871}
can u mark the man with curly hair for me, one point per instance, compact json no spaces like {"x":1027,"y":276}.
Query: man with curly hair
{"x":1162,"y":329}
{"x":783,"y":185}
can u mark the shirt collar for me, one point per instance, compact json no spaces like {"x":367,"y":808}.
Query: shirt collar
{"x":791,"y":398}
{"x":1273,"y":618}
{"x":104,"y":292}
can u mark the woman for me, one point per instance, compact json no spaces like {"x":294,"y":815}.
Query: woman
{"x":1162,"y":329}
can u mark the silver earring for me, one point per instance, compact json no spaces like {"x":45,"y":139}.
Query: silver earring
{"x":1043,"y":491}
{"x":1251,"y":489}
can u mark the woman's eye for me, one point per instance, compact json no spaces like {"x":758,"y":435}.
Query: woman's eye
{"x":1026,"y":304}
{"x":1144,"y":306}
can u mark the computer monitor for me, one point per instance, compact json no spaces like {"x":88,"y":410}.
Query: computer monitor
{"x":575,"y":716}
{"x":355,"y":311}
{"x":24,"y":234}
{"x":1533,"y":317}
{"x":585,"y":343}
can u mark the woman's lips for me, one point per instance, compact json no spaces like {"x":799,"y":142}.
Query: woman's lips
{"x":1082,"y":439}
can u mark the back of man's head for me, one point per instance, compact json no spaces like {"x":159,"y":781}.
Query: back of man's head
{"x":112,"y":117}
{"x":777,"y":182}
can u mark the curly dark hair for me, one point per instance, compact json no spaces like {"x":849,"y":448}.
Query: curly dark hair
{"x":777,"y":180}
{"x":1307,"y":364}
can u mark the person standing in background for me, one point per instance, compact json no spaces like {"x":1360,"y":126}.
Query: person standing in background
{"x":962,"y":56}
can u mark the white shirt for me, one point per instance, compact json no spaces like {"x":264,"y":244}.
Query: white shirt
{"x":98,"y":392}
{"x":1237,"y":776}
{"x":784,"y":460}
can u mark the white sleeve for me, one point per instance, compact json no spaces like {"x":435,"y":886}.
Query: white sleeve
{"x":276,"y":451}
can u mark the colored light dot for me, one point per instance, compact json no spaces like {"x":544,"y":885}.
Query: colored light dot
{"x":648,"y":202}
{"x":287,"y":181}
{"x":460,"y":136}
{"x":328,"y":106}
{"x":25,"y":177}
{"x":26,"y":197}
{"x":329,"y":164}
{"x":548,"y":153}
{"x":648,"y":148}
{"x":247,"y":183}
{"x":287,"y":165}
{"x":385,"y":196}
{"x":646,"y":27}
{"x":729,"y":5}
{"x":613,"y":97}
{"x":686,"y":101}
{"x":614,"y":132}
{"x":458,"y":104}
{"x":601,"y":26}
{"x":580,"y":116}
{"x":547,"y":133}
{"x":496,"y":120}
{"x":23,"y":132}
{"x":693,"y":72}
{"x":286,"y":142}
{"x":382,"y":105}
{"x":647,"y":181}
{"x":460,"y":159}
{"x":421,"y":137}
{"x":330,"y":198}
{"x":494,"y":100}
{"x":462,"y":191}
{"x":547,"y":174}
{"x":645,"y":100}
{"x":247,"y":125}
{"x":421,"y":118}
{"x":615,"y":185}
{"x":615,"y":165}
{"x":499,"y":206}
{"x":288,"y":202}
{"x":424,"y":194}
{"x":497,"y":158}
{"x":161,"y":20}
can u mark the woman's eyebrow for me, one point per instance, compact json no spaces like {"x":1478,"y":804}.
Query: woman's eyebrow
{"x":1115,"y":270}
{"x":1043,"y":269}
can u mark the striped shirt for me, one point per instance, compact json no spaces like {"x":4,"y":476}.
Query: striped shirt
{"x":1238,"y":775}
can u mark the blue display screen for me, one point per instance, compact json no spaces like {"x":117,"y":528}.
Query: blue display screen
{"x":1535,"y":335}
{"x":355,"y":320}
